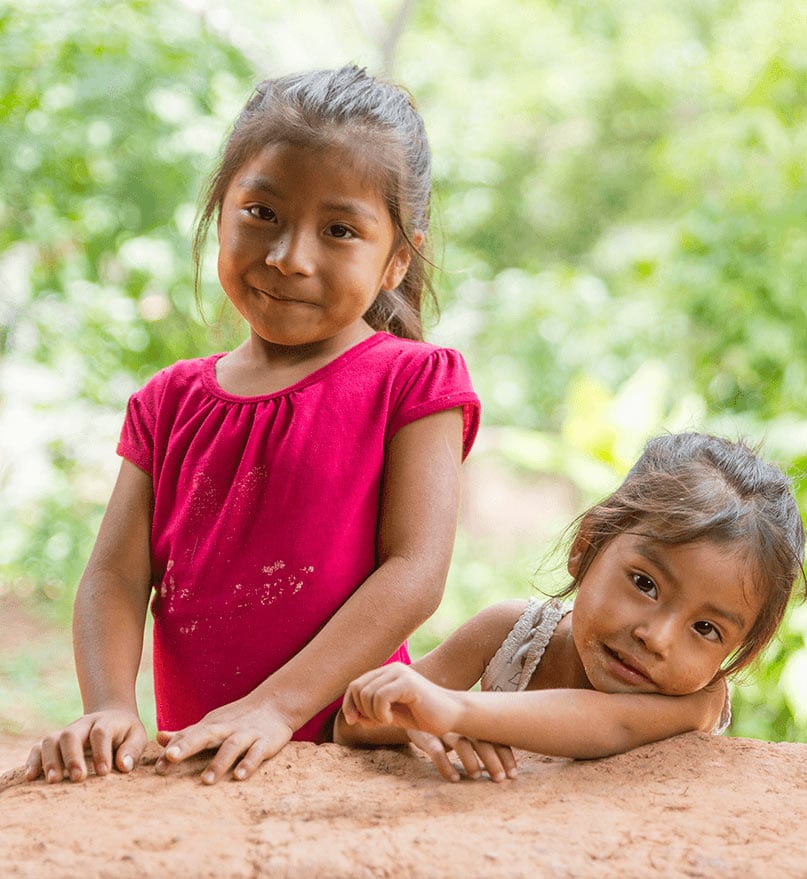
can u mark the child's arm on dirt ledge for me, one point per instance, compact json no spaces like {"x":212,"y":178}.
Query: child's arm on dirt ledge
{"x":564,"y":723}
{"x":108,"y":623}
{"x":456,"y":663}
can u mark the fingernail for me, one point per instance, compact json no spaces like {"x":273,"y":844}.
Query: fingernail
{"x":208,"y":778}
{"x":512,"y":773}
{"x":160,"y":765}
{"x":240,"y":773}
{"x":455,"y":777}
{"x":100,"y":769}
{"x":128,"y":763}
{"x":75,"y":774}
{"x":498,"y":776}
{"x":53,"y":775}
{"x":172,"y":752}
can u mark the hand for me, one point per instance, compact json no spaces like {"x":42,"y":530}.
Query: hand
{"x":396,"y":695}
{"x":244,"y":732}
{"x":497,"y":760}
{"x":113,"y":732}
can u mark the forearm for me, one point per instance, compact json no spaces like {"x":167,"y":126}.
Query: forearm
{"x":108,"y":624}
{"x":572,"y":723}
{"x":362,"y":634}
{"x":422,"y":473}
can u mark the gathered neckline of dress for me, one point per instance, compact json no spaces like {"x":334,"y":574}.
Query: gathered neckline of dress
{"x":211,"y":382}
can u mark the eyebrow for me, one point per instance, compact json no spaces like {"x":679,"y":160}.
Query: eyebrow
{"x":729,"y":616}
{"x":647,"y":549}
{"x":265,"y":184}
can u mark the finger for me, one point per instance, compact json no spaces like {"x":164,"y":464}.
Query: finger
{"x":101,"y":748}
{"x":470,"y":762}
{"x":436,"y":752}
{"x":491,"y":760}
{"x":361,"y":700}
{"x":380,"y":707}
{"x":349,"y":710}
{"x":190,"y":741}
{"x":366,"y":688}
{"x":388,"y":694}
{"x":168,"y":739}
{"x":255,"y":756}
{"x":508,"y":760}
{"x":52,"y":764}
{"x":33,"y":765}
{"x":72,"y":742}
{"x":131,"y":748}
{"x":229,"y":752}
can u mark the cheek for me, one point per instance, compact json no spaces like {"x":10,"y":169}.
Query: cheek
{"x":692,"y":671}
{"x":587,"y":624}
{"x":593,"y":610}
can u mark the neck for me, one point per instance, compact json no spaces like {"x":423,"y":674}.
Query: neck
{"x":262,"y":353}
{"x":258,"y":367}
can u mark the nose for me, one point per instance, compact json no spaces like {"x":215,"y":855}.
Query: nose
{"x":290,"y":252}
{"x":656,"y":633}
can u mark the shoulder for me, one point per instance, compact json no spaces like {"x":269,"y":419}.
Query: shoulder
{"x":177,"y":377}
{"x":404,"y":352}
{"x":423,"y":379}
{"x":458,"y":663}
{"x":498,"y":619}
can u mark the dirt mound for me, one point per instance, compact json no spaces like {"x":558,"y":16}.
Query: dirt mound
{"x":692,"y":806}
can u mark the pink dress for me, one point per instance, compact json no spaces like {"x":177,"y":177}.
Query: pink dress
{"x":266,"y":509}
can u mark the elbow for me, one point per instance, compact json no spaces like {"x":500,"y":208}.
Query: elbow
{"x":621,"y":739}
{"x":420,"y":587}
{"x":431,"y":586}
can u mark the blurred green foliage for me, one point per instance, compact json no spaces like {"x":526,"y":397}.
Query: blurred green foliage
{"x":619,"y":217}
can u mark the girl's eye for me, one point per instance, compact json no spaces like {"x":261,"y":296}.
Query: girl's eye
{"x":339,"y":231}
{"x":645,"y":584}
{"x":707,"y":630}
{"x":261,"y":212}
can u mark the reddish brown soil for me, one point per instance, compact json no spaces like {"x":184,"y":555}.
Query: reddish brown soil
{"x":690,"y":807}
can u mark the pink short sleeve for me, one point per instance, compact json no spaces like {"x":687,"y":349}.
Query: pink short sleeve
{"x":136,"y":442}
{"x":435,"y":384}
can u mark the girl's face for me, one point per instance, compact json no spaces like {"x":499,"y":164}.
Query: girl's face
{"x":305,"y":245}
{"x":658,"y":618}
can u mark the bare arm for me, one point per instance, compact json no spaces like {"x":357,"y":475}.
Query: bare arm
{"x":564,"y":723}
{"x":108,"y":622}
{"x":586,"y":723}
{"x":457,"y":664}
{"x":418,"y":523}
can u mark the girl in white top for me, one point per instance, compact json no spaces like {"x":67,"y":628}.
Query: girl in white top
{"x":680,"y":578}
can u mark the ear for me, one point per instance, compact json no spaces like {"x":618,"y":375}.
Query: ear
{"x":579,"y":547}
{"x":399,"y":261}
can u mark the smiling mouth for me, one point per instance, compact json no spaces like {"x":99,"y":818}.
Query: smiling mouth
{"x":276,"y":297}
{"x":627,"y":670}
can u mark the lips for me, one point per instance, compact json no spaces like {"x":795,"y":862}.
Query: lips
{"x":626,"y":667}
{"x":279,"y":297}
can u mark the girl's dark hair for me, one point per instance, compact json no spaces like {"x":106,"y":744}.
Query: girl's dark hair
{"x":691,"y":487}
{"x":374,"y":122}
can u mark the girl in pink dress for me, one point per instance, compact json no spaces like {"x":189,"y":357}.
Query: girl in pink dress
{"x":288,"y":507}
{"x":680,"y":577}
